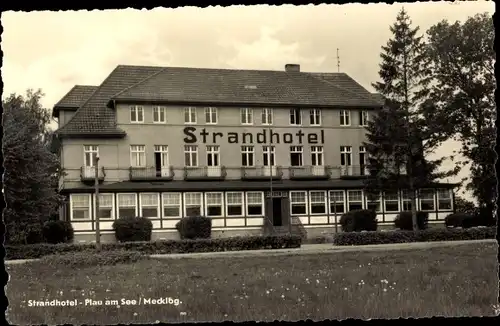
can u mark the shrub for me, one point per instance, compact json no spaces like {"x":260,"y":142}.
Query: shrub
{"x":194,"y":227}
{"x":33,"y":233}
{"x":87,"y":259}
{"x":158,"y":247}
{"x":58,"y":231}
{"x":359,"y":220}
{"x":404,"y":221}
{"x":367,"y":238}
{"x":133,"y":229}
{"x":463,"y":220}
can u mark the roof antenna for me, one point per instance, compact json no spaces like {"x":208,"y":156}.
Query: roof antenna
{"x":338,"y":61}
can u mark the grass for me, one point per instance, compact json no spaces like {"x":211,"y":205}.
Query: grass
{"x":459,"y":280}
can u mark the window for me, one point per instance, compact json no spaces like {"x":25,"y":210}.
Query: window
{"x":213,"y":155}
{"x":337,"y":201}
{"x":444,"y":199}
{"x":149,"y":205}
{"x":213,"y":204}
{"x":191,"y":155}
{"x":138,"y":155}
{"x":267,"y":116}
{"x":298,"y":202}
{"x":295,"y":117}
{"x":246,"y":116}
{"x":255,"y":203}
{"x":391,"y":202}
{"x":374,"y":201}
{"x":127,"y":205}
{"x":106,"y":209}
{"x":234,"y":204}
{"x":345,"y":118}
{"x":161,"y":160}
{"x":159,"y":114}
{"x":136,"y":114}
{"x":426,"y":198}
{"x":363,"y":118}
{"x":80,"y":207}
{"x":345,"y":155}
{"x":247,"y":155}
{"x":90,"y":155}
{"x":405,"y":194}
{"x":211,"y":115}
{"x":315,"y":117}
{"x":354,"y":200}
{"x":296,"y":155}
{"x":363,"y":164}
{"x":190,"y":115}
{"x":268,"y":155}
{"x":317,"y":202}
{"x":317,"y":155}
{"x":192,"y":204}
{"x":171,"y":204}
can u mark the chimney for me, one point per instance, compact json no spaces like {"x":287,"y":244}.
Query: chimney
{"x":292,"y":67}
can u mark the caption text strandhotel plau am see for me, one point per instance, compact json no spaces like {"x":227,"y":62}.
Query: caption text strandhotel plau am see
{"x":107,"y":302}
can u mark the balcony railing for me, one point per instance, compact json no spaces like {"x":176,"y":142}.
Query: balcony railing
{"x":151,"y":173}
{"x":354,"y":171}
{"x":205,"y":173}
{"x":87,"y":173}
{"x":308,"y":172}
{"x":261,"y":172}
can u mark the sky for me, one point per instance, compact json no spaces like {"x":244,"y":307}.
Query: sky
{"x":56,"y":50}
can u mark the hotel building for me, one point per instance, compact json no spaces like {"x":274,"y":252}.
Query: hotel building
{"x":253,"y":150}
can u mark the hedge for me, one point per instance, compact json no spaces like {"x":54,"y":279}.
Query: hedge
{"x":159,"y":247}
{"x":359,"y":220}
{"x":133,"y":229}
{"x":194,"y":227}
{"x":377,"y":237}
{"x":87,"y":259}
{"x":465,"y":220}
{"x":404,"y":221}
{"x":57,"y":231}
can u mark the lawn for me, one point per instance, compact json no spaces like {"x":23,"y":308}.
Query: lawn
{"x":460,"y":280}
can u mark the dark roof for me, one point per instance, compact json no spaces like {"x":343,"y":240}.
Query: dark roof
{"x":74,"y":98}
{"x":253,"y":87}
{"x":96,"y":116}
{"x":229,"y":185}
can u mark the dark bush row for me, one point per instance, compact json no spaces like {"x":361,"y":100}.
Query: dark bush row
{"x":377,"y":237}
{"x":159,"y":247}
{"x":465,"y":220}
{"x":87,"y":259}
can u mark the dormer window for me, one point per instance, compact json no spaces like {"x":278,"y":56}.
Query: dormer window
{"x":295,"y":117}
{"x":159,"y":114}
{"x":136,"y":114}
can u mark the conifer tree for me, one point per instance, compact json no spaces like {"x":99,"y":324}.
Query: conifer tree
{"x":398,"y":138}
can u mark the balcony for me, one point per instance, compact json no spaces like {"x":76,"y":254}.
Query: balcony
{"x":308,"y":172}
{"x":151,"y":174}
{"x":87,"y":174}
{"x":354,"y":171}
{"x":205,"y":173}
{"x":261,"y":173}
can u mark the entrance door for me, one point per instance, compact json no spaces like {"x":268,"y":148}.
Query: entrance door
{"x":277,"y":212}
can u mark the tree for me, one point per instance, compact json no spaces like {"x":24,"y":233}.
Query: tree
{"x":465,"y":206}
{"x":398,"y":138}
{"x":31,"y":170}
{"x":461,"y":59}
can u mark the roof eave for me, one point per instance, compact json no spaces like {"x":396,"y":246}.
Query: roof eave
{"x":92,"y":135}
{"x":112,"y":103}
